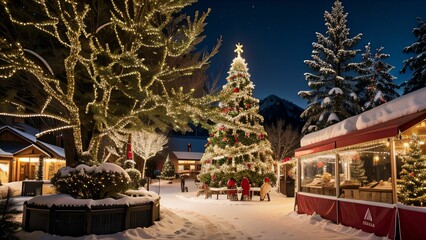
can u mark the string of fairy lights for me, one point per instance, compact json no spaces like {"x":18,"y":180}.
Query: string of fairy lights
{"x":225,"y":151}
{"x":134,"y":32}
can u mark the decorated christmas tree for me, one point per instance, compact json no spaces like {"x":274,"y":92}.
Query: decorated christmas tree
{"x":413,"y":175}
{"x":168,"y":172}
{"x":375,"y":82}
{"x":358,"y":170}
{"x":233,"y":151}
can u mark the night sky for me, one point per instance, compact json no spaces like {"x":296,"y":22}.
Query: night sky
{"x":277,"y":36}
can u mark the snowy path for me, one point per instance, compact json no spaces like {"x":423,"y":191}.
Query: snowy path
{"x":185,"y":216}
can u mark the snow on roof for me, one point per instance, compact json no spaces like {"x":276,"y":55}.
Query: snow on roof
{"x":56,"y":149}
{"x":29,"y":146}
{"x":27,"y":128}
{"x":32,"y":139}
{"x":408,"y":104}
{"x":188,"y":155}
{"x":25,"y":135}
{"x":12,"y":147}
{"x":5,"y":154}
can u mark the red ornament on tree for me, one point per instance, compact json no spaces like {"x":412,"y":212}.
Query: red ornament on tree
{"x":261,"y":136}
{"x":411,"y":174}
{"x":236,"y":139}
{"x":208,"y":161}
{"x":248,"y":105}
{"x":211,"y":135}
{"x":249,"y":166}
{"x":224,"y":139}
{"x":236,"y":90}
{"x":320,"y":164}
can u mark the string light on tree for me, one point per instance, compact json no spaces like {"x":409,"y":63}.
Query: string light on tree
{"x":232,"y":149}
{"x":113,"y":75}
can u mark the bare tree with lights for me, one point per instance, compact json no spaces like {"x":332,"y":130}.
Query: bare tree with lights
{"x":332,"y":97}
{"x":116,"y":70}
{"x":233,"y":151}
{"x":147,"y":145}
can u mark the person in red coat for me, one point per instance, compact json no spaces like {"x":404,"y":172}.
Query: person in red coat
{"x":245,"y":185}
{"x":232,"y":194}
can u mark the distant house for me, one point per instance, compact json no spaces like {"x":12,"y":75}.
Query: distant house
{"x":21,"y":153}
{"x":185,"y":152}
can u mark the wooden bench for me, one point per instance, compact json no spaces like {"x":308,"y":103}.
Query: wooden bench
{"x":223,"y":190}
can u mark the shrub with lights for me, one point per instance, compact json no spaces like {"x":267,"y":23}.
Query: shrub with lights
{"x":134,"y":174}
{"x":97,"y":182}
{"x":238,"y":147}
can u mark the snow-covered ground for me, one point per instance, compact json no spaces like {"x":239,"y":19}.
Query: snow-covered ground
{"x":186,"y":216}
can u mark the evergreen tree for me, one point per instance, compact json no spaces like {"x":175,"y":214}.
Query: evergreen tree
{"x":413,"y":175}
{"x":168,"y":171}
{"x":417,"y":63}
{"x":8,"y":210}
{"x":332,"y":98}
{"x":375,"y":83}
{"x":232,"y":150}
{"x":358,"y":171}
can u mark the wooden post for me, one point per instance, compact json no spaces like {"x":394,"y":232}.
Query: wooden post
{"x":337,"y":176}
{"x":393,"y":169}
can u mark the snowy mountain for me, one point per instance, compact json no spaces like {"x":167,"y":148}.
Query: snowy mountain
{"x":273,"y":108}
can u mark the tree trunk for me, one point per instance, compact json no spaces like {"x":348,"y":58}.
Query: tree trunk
{"x":71,"y":156}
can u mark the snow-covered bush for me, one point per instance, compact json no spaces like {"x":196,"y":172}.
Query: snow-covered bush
{"x":96,"y":182}
{"x":135,"y":176}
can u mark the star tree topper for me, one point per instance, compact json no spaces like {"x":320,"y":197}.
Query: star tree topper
{"x":239,"y":49}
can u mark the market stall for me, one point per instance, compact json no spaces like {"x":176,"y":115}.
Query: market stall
{"x":351,"y":168}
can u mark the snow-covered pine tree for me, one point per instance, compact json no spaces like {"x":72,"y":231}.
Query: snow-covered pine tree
{"x":375,"y":82}
{"x":413,"y":175}
{"x":235,"y":152}
{"x":168,"y":171}
{"x":416,"y":63}
{"x":332,"y":98}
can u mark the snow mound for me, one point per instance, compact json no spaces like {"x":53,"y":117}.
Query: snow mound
{"x":107,"y":167}
{"x":67,"y":200}
{"x":142,"y":192}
